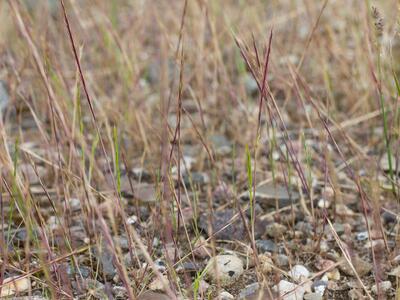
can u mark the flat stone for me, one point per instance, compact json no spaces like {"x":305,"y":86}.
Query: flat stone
{"x":105,"y":257}
{"x":249,"y":290}
{"x":145,"y":193}
{"x":224,"y":295}
{"x":196,"y":178}
{"x":150,"y":295}
{"x":189,"y":267}
{"x":234,"y":231}
{"x":361,"y":266}
{"x":221,"y":145}
{"x":13,"y":285}
{"x":140,"y":174}
{"x":267,"y":193}
{"x":319,"y":287}
{"x":275,"y":230}
{"x":384,"y":286}
{"x":80,"y":271}
{"x":262,"y":294}
{"x":313,"y":296}
{"x":395,"y":272}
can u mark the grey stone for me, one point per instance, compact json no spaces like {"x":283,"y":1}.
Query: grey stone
{"x":249,"y":290}
{"x":81,"y":271}
{"x":267,"y":193}
{"x":235,"y":230}
{"x":221,"y":145}
{"x":313,"y":296}
{"x":282,"y":260}
{"x":266,"y":246}
{"x":250,"y":85}
{"x":150,"y":295}
{"x":196,"y":178}
{"x":319,"y":287}
{"x":53,"y":6}
{"x":384,"y":286}
{"x":105,"y":257}
{"x":275,"y":230}
{"x":362,"y":236}
{"x":339,"y":228}
{"x":4,"y":97}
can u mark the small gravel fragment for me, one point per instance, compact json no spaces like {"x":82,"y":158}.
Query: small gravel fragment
{"x":224,"y":295}
{"x":319,"y":287}
{"x":266,"y":246}
{"x":249,"y":290}
{"x":13,"y":285}
{"x":275,"y":230}
{"x":299,"y":273}
{"x":282,"y":260}
{"x":362,"y":236}
{"x":384,"y":286}
{"x":361,"y":266}
{"x":289,"y":291}
{"x":313,"y":296}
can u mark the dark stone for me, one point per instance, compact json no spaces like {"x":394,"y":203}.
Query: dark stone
{"x":82,"y":270}
{"x":197,"y":178}
{"x":389,"y":217}
{"x":220,"y":219}
{"x":105,"y":257}
{"x":268,"y":193}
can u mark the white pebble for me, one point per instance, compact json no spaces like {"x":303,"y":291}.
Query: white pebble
{"x":289,"y":291}
{"x":225,"y":268}
{"x":299,"y":272}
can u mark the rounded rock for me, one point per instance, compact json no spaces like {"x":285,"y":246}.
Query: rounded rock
{"x":224,"y":268}
{"x":299,"y":272}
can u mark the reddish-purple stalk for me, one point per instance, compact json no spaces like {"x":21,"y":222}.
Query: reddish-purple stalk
{"x":122,"y":274}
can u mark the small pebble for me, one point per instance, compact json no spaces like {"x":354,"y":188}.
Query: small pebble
{"x":384,"y":286}
{"x":13,"y":285}
{"x":275,"y":230}
{"x":361,"y":266}
{"x":132,"y":220}
{"x":323,"y":203}
{"x":319,"y":287}
{"x":289,"y":291}
{"x":160,"y":265}
{"x":333,"y":275}
{"x":362,"y":236}
{"x":224,"y":295}
{"x":157,"y":284}
{"x":249,"y":290}
{"x":266,"y":246}
{"x":265,"y":263}
{"x":299,"y":272}
{"x":282,"y":260}
{"x":313,"y":296}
